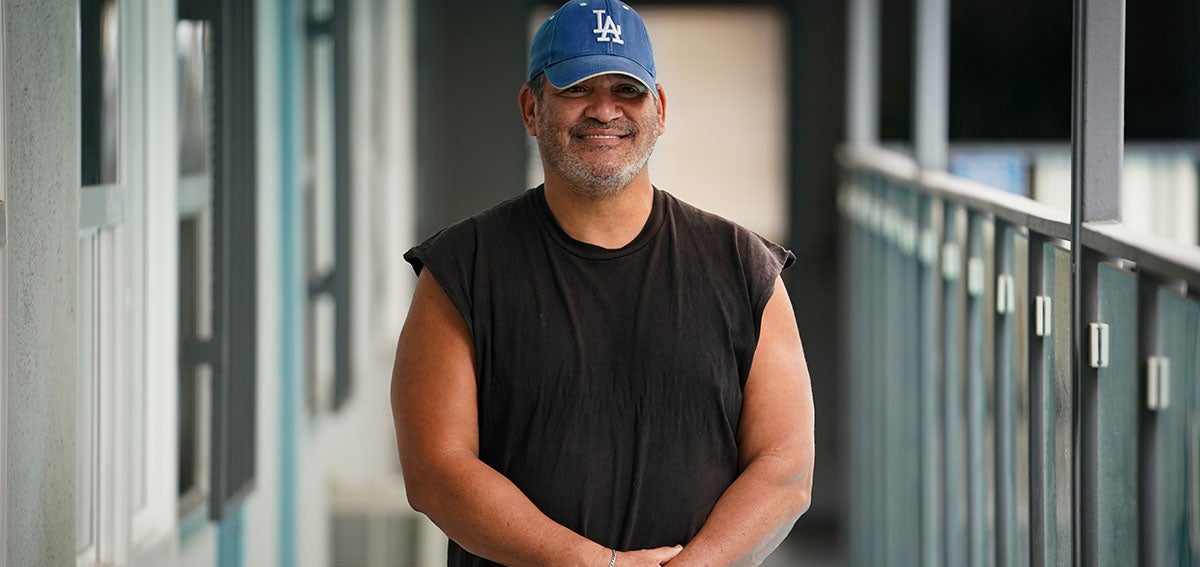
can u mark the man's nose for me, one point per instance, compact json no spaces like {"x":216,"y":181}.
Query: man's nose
{"x":604,"y":108}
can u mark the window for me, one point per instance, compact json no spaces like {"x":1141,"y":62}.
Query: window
{"x":100,"y":75}
{"x":327,"y":206}
{"x":103,"y":366}
{"x":193,"y":47}
{"x":217,"y":286}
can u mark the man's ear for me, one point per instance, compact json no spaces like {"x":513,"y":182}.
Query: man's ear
{"x":662,"y":108}
{"x":528,"y":103}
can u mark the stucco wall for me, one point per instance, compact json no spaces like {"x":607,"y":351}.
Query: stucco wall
{"x":41,"y":145}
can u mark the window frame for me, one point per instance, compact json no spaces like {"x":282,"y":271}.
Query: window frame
{"x":231,"y":351}
{"x":110,"y":231}
{"x":152,"y":518}
{"x":194,"y":202}
{"x":329,"y":280}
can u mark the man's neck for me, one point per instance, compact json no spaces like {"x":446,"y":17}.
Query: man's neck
{"x":608,"y":222}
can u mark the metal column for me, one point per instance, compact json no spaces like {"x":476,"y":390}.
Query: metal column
{"x":1097,"y":140}
{"x":931,"y":107}
{"x":862,"y":76}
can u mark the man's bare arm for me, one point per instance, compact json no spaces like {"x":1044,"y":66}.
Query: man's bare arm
{"x":437,"y":433}
{"x":775,"y":450}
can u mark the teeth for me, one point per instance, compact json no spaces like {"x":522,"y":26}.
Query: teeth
{"x":599,"y":137}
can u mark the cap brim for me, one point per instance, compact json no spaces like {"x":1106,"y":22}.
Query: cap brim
{"x":578,"y":69}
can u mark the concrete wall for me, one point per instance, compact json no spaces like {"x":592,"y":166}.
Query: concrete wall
{"x":42,"y":181}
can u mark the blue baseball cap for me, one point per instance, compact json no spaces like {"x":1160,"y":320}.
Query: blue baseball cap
{"x":587,"y":38}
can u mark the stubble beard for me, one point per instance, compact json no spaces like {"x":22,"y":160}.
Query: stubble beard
{"x":594,"y":181}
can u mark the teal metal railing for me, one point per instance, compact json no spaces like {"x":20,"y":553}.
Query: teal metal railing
{"x":972,"y":441}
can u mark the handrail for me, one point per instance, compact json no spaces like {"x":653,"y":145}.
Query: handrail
{"x":1167,"y":259}
{"x":883,"y":161}
{"x":1063,"y":146}
{"x":1039,"y":217}
{"x":1015,"y":209}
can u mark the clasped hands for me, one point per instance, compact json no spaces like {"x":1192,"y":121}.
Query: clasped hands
{"x":647,"y":557}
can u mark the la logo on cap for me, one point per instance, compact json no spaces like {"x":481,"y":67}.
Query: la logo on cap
{"x":606,"y":26}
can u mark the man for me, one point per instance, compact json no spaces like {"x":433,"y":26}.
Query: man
{"x":595,"y":373}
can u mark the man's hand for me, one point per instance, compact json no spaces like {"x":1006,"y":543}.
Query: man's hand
{"x":647,"y":557}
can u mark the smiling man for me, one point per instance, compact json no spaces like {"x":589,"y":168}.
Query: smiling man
{"x":594,"y":372}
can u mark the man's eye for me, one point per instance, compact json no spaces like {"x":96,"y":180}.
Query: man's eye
{"x":629,"y":91}
{"x":575,"y":90}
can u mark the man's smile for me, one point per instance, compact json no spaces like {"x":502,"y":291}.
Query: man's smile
{"x":603,"y":140}
{"x":600,"y":136}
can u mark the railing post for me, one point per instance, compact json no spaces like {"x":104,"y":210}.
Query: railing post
{"x":862,"y":74}
{"x":1097,"y":139}
{"x":1042,"y":524}
{"x":1098,"y":108}
{"x":931,"y":108}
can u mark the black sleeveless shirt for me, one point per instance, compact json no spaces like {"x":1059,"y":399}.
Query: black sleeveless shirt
{"x":609,"y":381}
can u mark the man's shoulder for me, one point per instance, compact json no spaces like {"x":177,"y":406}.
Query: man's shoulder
{"x":688,"y":215}
{"x":709,"y":232}
{"x":520,"y":205}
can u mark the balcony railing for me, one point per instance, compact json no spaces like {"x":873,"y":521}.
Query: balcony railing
{"x":972,"y":440}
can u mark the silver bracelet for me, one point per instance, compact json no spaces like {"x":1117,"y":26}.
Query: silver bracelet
{"x":612,"y":562}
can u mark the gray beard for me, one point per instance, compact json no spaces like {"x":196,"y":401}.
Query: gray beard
{"x":586,"y":182}
{"x":583,"y":181}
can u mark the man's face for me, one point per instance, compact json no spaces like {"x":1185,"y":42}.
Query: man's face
{"x":599,"y":134}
